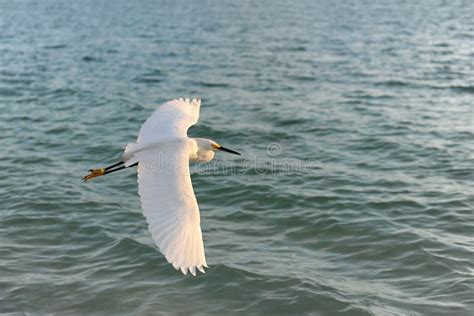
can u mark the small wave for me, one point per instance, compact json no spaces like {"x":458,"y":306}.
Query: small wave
{"x":59,"y":46}
{"x":34,"y":160}
{"x":302,"y":78}
{"x":58,"y":130}
{"x":394,"y":83}
{"x":375,"y":144}
{"x":154,"y":76}
{"x":359,"y":94}
{"x":464,"y":89}
{"x":396,"y":204}
{"x":62,"y":92}
{"x":148,"y":80}
{"x":290,"y":122}
{"x":14,"y":81}
{"x":297,"y":49}
{"x":89,"y":59}
{"x":6,"y":92}
{"x":208,"y":84}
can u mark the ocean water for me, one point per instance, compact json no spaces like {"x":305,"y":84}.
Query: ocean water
{"x":354,"y":194}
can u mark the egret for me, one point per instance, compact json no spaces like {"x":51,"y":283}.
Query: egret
{"x":163,"y":152}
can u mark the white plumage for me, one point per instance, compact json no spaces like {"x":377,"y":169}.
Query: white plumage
{"x":170,"y":206}
{"x":171,"y":120}
{"x":163,"y":152}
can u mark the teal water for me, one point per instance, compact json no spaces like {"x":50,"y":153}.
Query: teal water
{"x":354,"y":195}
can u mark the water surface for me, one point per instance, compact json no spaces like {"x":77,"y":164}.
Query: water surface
{"x":354,"y":195}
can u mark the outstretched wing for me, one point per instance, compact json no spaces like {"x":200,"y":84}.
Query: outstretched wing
{"x":170,"y":206}
{"x":171,"y":120}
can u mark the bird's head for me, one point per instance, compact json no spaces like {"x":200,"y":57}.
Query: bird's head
{"x":215,"y":147}
{"x":207,"y":144}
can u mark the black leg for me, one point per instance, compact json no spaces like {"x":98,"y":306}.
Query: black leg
{"x":113,"y":166}
{"x":107,"y":170}
{"x":110,"y":171}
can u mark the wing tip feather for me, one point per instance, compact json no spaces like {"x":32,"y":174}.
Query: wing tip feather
{"x":194,"y":101}
{"x":200,"y":268}
{"x":192,"y":269}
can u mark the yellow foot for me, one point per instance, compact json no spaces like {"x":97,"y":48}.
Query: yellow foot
{"x":94,"y":173}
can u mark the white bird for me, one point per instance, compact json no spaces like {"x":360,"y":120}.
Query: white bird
{"x":162,"y":152}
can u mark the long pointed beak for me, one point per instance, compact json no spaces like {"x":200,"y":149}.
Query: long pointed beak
{"x":229,"y":150}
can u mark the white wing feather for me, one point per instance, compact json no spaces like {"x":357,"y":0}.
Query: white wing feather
{"x":171,"y":120}
{"x":164,"y":183}
{"x":170,"y":206}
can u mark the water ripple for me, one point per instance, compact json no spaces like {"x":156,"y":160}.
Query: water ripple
{"x":376,"y":97}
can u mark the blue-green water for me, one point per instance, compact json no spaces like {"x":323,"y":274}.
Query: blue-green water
{"x":355,"y":192}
